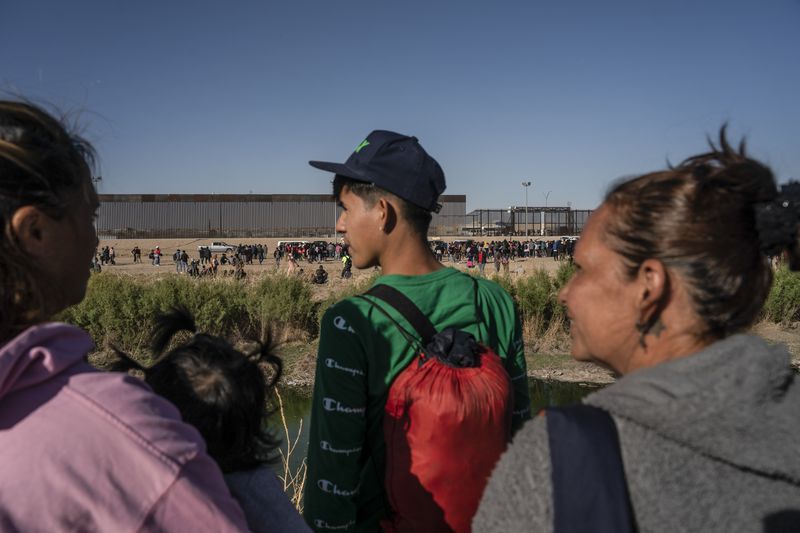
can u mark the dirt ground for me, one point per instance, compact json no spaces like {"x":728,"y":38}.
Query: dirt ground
{"x":125,"y":265}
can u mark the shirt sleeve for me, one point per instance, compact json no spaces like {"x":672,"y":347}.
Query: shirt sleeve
{"x":338,"y":424}
{"x":506,"y":329}
{"x":198,"y":500}
{"x":518,"y":372}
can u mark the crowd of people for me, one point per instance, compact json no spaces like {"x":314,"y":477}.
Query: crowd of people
{"x":474,"y":253}
{"x":698,"y":433}
{"x":469,"y":250}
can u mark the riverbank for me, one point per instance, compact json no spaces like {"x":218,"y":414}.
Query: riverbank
{"x":300,"y":360}
{"x":122,"y":301}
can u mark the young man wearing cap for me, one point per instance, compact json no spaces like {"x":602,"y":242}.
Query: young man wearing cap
{"x":387,"y":190}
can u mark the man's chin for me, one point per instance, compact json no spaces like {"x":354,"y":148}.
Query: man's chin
{"x":581,"y":356}
{"x":362,"y":265}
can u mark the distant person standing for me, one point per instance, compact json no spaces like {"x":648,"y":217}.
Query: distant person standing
{"x":347,"y":267}
{"x":293,"y":266}
{"x":482,"y":259}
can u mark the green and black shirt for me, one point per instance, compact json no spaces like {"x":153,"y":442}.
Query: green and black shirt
{"x":361,"y":351}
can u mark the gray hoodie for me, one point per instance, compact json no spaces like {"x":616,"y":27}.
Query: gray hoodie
{"x":710,"y":442}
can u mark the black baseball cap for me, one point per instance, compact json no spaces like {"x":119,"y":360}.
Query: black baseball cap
{"x":395,"y":163}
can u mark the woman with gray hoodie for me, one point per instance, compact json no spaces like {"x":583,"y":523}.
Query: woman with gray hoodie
{"x":670,"y":270}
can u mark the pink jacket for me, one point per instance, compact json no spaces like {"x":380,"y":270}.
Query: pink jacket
{"x":91,"y":451}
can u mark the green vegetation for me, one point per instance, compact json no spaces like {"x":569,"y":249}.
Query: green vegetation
{"x":118,"y":310}
{"x":544,"y":323}
{"x":281,"y":305}
{"x":783,"y":302}
{"x":352,"y":289}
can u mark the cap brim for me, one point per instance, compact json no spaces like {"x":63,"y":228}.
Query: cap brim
{"x":336,"y":168}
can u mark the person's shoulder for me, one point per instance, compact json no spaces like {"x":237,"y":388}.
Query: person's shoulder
{"x":352,"y":309}
{"x":263,"y":500}
{"x":123,"y":409}
{"x":518,"y":495}
{"x":494,"y":291}
{"x":260,"y":481}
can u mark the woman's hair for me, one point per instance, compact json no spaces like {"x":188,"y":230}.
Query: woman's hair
{"x":218,"y":389}
{"x":700,"y":219}
{"x":418,"y":219}
{"x":42,"y":160}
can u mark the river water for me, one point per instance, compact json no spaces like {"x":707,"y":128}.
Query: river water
{"x":297,"y":408}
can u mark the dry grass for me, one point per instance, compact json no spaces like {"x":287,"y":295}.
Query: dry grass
{"x":554,"y":336}
{"x":294,"y":481}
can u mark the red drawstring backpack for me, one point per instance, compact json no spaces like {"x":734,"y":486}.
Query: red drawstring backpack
{"x":447,"y":420}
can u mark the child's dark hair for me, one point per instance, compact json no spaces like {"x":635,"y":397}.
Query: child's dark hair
{"x":218,"y":389}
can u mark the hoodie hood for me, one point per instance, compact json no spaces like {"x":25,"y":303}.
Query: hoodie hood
{"x":736,"y":401}
{"x":39,"y":353}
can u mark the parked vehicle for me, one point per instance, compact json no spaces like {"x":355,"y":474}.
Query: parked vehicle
{"x":219,"y":247}
{"x":282,"y":244}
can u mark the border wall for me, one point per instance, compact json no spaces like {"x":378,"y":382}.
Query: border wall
{"x":128,"y":216}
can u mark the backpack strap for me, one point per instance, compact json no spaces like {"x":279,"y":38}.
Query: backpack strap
{"x":405,"y":307}
{"x":590,"y":492}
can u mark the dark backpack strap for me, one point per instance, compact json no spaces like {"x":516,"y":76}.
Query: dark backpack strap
{"x":589,"y":488}
{"x":405,"y":307}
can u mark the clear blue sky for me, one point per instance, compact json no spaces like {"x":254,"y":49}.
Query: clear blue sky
{"x":233,"y":97}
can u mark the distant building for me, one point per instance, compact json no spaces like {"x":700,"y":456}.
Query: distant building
{"x":239,"y":215}
{"x":538,"y":221}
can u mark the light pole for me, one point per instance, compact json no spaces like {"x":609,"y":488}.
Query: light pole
{"x":335,"y":220}
{"x":526,"y":184}
{"x":570,"y":220}
{"x":96,"y":182}
{"x":546,"y":196}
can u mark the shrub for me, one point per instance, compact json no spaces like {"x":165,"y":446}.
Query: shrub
{"x":544,"y":321}
{"x":351,"y":289}
{"x":564,"y":272}
{"x":283,"y":305}
{"x":783,"y":301}
{"x":507,"y":283}
{"x":120,"y":310}
{"x":112,"y":312}
{"x":535,"y":297}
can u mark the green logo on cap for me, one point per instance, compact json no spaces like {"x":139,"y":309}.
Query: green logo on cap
{"x":362,"y":145}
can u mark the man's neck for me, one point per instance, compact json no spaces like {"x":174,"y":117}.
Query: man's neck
{"x":408,"y":254}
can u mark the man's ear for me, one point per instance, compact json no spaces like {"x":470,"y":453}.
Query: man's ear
{"x":653,"y":284}
{"x":30,"y":227}
{"x":387,"y":214}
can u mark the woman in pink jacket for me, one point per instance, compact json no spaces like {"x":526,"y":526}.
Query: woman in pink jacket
{"x":81,"y":450}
